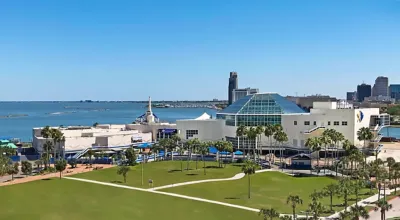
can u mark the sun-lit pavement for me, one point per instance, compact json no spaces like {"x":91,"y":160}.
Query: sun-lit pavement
{"x":365,"y":202}
{"x":394,"y":212}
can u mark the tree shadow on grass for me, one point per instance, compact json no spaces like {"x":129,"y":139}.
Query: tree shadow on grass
{"x":237,"y":165}
{"x":192,"y":174}
{"x":116,"y":181}
{"x":173,"y":171}
{"x":46,"y":179}
{"x":231,"y":198}
{"x":213,"y":167}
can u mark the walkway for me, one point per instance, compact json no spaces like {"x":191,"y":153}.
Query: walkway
{"x":365,"y":202}
{"x":393,"y":212}
{"x":236,"y":177}
{"x":171,"y":194}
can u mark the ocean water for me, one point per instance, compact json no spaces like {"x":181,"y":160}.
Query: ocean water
{"x":39,"y":114}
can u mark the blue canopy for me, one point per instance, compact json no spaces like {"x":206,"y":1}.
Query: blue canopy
{"x":144,"y":145}
{"x":212,"y":150}
{"x":238,"y":152}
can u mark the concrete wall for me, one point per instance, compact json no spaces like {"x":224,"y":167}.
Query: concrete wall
{"x":321,"y":117}
{"x":207,"y":129}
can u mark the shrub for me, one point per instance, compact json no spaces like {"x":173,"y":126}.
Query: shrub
{"x":26,"y":167}
{"x":72,"y":163}
{"x":240,"y":160}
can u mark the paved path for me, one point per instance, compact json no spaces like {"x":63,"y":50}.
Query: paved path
{"x":172,"y":194}
{"x":394,"y":212}
{"x":365,"y":202}
{"x":236,"y":177}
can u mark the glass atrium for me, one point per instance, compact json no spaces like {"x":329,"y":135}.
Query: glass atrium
{"x":258,"y":109}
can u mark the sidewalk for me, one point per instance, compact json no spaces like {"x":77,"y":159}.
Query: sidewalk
{"x":365,"y":202}
{"x":236,"y":177}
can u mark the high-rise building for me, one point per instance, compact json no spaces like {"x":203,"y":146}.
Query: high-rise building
{"x":240,"y":93}
{"x":363,"y":90}
{"x":233,"y":84}
{"x":394,"y":91}
{"x":381,"y":86}
{"x":351,"y":96}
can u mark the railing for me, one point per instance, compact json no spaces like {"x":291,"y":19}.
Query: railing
{"x":80,"y":154}
{"x":314,"y":129}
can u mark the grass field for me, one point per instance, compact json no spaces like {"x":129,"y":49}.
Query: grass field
{"x":56,"y":199}
{"x":163,"y":173}
{"x":269,"y":189}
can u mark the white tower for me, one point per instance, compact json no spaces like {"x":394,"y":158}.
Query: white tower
{"x":149,"y":113}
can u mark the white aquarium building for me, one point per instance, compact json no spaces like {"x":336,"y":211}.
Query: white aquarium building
{"x":115,"y":137}
{"x":271,"y":108}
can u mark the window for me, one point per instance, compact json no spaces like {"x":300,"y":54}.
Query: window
{"x":344,"y":123}
{"x":306,"y":122}
{"x":315,"y":123}
{"x":295,"y":122}
{"x":335,"y":123}
{"x":191,"y":133}
{"x":329,"y":123}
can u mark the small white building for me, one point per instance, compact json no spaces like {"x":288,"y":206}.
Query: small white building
{"x":80,"y":138}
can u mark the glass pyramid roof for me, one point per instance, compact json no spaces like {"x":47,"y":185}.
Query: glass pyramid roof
{"x":266,"y":103}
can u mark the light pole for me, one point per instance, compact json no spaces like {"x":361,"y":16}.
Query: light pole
{"x":143,"y":158}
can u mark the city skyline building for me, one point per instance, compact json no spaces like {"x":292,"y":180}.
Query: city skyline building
{"x":394,"y":91}
{"x":351,"y":96}
{"x":233,"y":84}
{"x":240,"y":93}
{"x":363,"y":91}
{"x":381,"y":86}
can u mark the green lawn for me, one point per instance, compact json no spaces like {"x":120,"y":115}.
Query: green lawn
{"x":163,"y":173}
{"x":269,"y":189}
{"x":56,"y":199}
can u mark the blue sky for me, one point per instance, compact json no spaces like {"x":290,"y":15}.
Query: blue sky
{"x":170,"y":50}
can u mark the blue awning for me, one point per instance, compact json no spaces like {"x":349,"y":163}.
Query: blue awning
{"x":238,"y":152}
{"x":212,"y":150}
{"x":144,"y":145}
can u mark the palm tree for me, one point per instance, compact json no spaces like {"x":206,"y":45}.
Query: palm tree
{"x":228,"y":148}
{"x":203,"y":150}
{"x":249,"y":168}
{"x":316,"y":208}
{"x":163,"y":144}
{"x":176,"y":139}
{"x":344,"y":215}
{"x":364,"y":134}
{"x":190,"y":147}
{"x":325,"y":140}
{"x":48,"y":147}
{"x":356,"y":212}
{"x":280,"y":136}
{"x":390,"y":163}
{"x":330,"y":190}
{"x":156,"y":147}
{"x":90,"y":154}
{"x":314,"y":144}
{"x":384,"y":206}
{"x":259,"y":131}
{"x":293,"y":201}
{"x":241,"y":131}
{"x":220,"y":146}
{"x":269,"y":132}
{"x":344,"y":189}
{"x":181,"y":150}
{"x":268,"y":214}
{"x":252,"y":135}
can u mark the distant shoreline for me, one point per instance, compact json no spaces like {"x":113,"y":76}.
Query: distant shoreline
{"x":13,"y":116}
